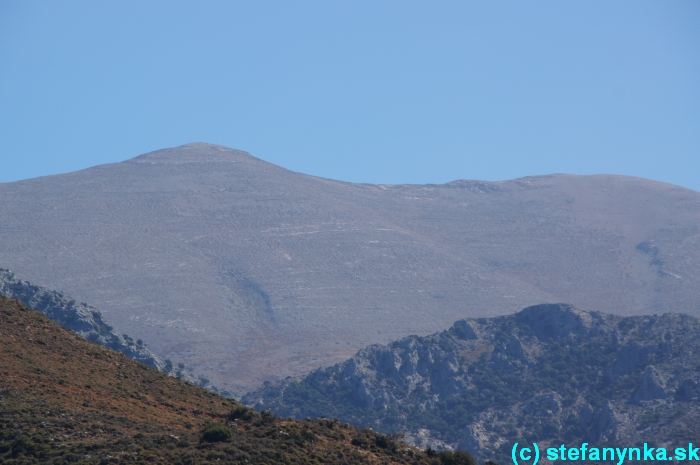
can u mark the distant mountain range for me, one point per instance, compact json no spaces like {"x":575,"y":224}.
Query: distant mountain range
{"x":550,"y":374}
{"x":65,"y":400}
{"x":246,"y":272}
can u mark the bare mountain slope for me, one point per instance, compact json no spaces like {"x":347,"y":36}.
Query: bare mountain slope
{"x":248,"y":271}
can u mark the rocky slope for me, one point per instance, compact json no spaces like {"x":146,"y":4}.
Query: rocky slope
{"x":86,"y":321}
{"x":65,"y":400}
{"x":76,"y":316}
{"x":551,"y":374}
{"x":247,"y":272}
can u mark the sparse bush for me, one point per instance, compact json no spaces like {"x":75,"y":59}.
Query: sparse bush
{"x":216,"y":432}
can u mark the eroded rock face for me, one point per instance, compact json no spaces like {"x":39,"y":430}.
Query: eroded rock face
{"x":549,"y":403}
{"x":608,"y":425}
{"x":474,"y":439}
{"x":653,"y":386}
{"x":559,"y":321}
{"x":585,"y":417}
{"x":549,"y":374}
{"x":630,"y":358}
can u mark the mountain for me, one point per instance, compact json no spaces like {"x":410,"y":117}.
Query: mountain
{"x":90,"y":324}
{"x":246,"y":272}
{"x":76,"y":316}
{"x":550,"y":374}
{"x":65,"y":400}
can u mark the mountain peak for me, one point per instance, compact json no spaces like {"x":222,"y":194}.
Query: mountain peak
{"x":196,"y":152}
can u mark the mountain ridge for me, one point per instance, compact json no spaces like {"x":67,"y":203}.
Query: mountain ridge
{"x":549,"y":374}
{"x":241,"y":269}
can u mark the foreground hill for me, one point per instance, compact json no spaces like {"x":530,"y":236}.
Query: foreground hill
{"x":88,"y":322}
{"x":248,"y":272}
{"x":76,"y":316}
{"x":549,"y":374}
{"x":65,"y":400}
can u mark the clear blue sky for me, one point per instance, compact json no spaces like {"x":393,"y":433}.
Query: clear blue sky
{"x":365,"y":91}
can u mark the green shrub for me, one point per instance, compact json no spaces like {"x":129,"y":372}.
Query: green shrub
{"x":216,"y":432}
{"x":240,"y":412}
{"x":21,"y":444}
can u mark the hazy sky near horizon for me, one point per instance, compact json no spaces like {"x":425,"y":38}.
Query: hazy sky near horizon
{"x":362,"y":91}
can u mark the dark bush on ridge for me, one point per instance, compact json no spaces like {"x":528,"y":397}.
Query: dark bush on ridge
{"x":216,"y":432}
{"x":240,"y":412}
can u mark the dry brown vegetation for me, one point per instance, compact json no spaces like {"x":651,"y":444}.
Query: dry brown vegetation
{"x":66,"y":400}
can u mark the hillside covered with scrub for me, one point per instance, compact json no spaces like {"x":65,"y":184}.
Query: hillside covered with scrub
{"x":66,"y":400}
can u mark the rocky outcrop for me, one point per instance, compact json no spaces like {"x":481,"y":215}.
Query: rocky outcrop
{"x":608,"y":425}
{"x":687,"y":390}
{"x":549,"y":403}
{"x":630,"y":358}
{"x":560,"y":321}
{"x":474,"y":439}
{"x":549,"y":374}
{"x":651,"y":387}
